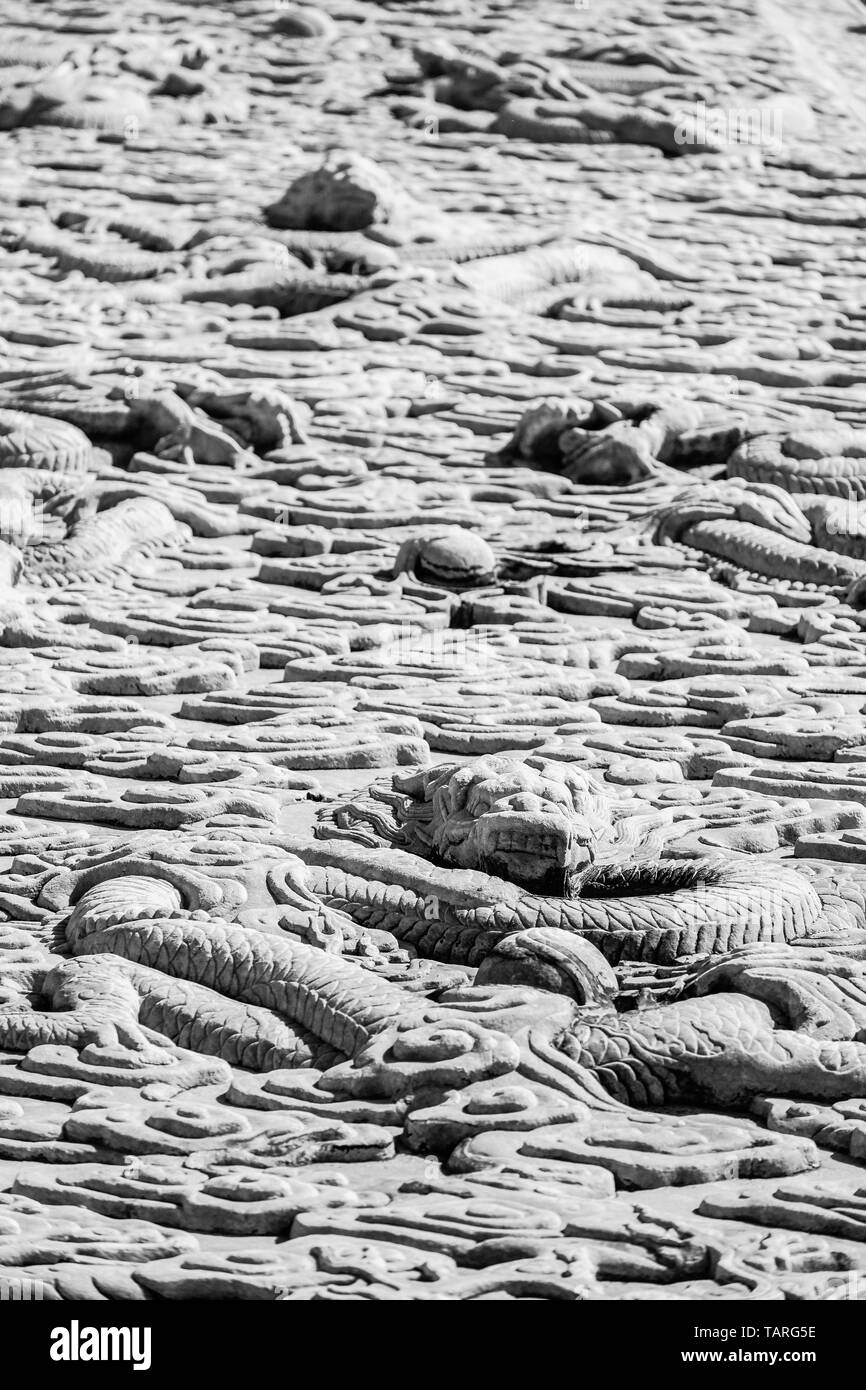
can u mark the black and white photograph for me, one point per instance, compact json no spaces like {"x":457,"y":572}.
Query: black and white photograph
{"x":432,"y":670}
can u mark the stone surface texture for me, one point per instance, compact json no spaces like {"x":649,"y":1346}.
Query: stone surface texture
{"x":433,"y":650}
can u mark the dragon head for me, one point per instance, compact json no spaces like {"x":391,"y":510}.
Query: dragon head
{"x":540,"y":824}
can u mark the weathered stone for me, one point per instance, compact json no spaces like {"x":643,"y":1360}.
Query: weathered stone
{"x":432,"y":652}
